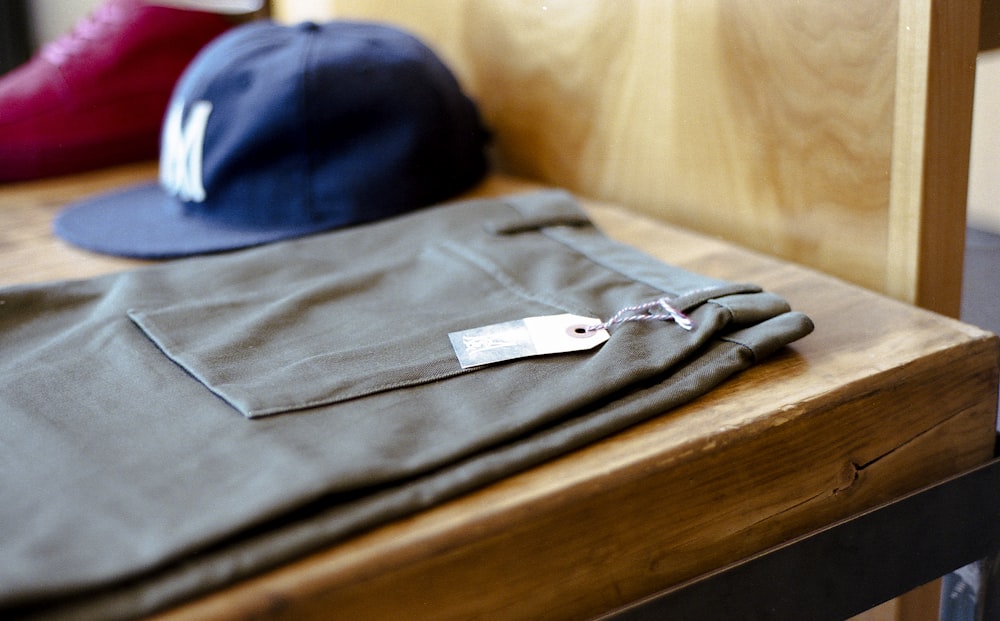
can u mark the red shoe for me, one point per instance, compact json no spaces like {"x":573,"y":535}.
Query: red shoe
{"x":96,"y":97}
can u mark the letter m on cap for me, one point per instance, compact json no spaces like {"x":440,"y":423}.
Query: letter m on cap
{"x":182,"y":149}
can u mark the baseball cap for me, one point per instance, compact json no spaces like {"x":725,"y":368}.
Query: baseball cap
{"x":277,"y":131}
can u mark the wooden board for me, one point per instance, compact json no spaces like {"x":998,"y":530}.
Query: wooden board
{"x":833,"y":134}
{"x":881,"y":399}
{"x":28,"y":250}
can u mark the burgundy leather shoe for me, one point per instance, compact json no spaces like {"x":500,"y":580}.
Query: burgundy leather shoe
{"x":97,"y":96}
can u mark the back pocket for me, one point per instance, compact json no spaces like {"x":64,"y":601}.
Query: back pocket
{"x":334,"y":337}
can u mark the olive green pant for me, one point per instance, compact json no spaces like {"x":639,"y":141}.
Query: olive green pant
{"x":172,"y":429}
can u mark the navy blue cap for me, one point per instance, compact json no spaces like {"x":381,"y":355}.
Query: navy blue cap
{"x":279,"y":131}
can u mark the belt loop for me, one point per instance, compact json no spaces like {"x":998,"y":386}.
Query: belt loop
{"x":538,"y":210}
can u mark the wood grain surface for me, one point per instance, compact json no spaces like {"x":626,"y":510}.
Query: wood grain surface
{"x":833,"y":134}
{"x":881,"y":399}
{"x":29,"y":252}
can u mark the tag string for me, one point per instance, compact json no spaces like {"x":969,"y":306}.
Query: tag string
{"x":657,"y":310}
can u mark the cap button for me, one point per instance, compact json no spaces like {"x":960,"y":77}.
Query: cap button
{"x":309,"y":26}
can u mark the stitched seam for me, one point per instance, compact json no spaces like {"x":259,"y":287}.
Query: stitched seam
{"x":485,"y":265}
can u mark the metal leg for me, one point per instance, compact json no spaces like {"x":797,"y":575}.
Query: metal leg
{"x":988,"y":608}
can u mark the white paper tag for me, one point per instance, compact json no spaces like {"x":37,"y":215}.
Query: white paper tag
{"x":531,"y":336}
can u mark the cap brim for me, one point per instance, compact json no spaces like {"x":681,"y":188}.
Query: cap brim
{"x":146,"y":223}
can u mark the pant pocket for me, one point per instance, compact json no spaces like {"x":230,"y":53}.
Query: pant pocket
{"x":335,"y":337}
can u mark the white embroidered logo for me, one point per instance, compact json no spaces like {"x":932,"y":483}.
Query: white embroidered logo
{"x":183,"y":144}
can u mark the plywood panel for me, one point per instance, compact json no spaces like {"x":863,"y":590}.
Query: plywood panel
{"x":763,"y":121}
{"x":834,"y":134}
{"x":935,"y":76}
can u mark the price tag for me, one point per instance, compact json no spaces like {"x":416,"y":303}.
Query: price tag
{"x":531,"y":336}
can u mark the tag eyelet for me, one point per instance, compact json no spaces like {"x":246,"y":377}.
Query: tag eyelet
{"x":580,"y":331}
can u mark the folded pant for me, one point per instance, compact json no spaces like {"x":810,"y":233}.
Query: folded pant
{"x":172,"y":429}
